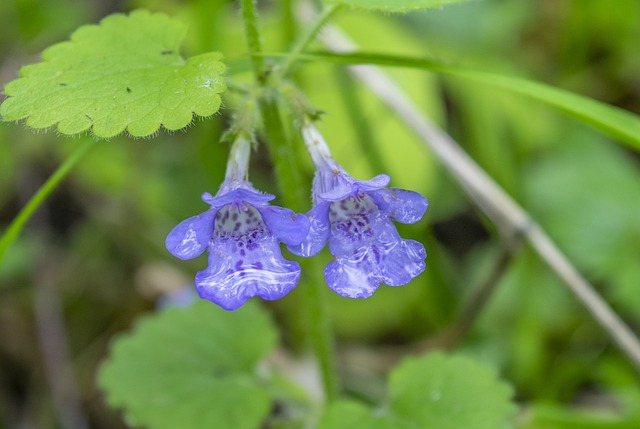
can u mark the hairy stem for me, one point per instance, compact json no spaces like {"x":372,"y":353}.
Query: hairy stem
{"x":250,"y":18}
{"x":38,"y":199}
{"x":314,"y":305}
{"x":289,"y":180}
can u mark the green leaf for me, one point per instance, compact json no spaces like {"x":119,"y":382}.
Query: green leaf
{"x":349,"y":415}
{"x":124,"y":74}
{"x":433,"y":391}
{"x":396,"y":5}
{"x":595,"y":189}
{"x":192,"y":368}
{"x":449,"y":392}
{"x":611,"y":120}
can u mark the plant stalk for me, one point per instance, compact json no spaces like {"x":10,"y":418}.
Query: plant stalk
{"x":41,"y":195}
{"x":254,"y":43}
{"x":289,"y":181}
{"x":314,"y":304}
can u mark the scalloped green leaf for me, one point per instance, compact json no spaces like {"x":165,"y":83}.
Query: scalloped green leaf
{"x":433,"y":391}
{"x":397,"y":5}
{"x":191,"y":367}
{"x":125,"y":73}
{"x":449,"y":392}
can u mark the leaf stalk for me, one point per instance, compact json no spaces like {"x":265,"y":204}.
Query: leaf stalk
{"x":41,"y":195}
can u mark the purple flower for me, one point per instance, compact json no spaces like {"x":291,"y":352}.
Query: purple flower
{"x":355,"y":218}
{"x":241,"y":231}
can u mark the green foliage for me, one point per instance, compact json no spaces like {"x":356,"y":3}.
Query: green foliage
{"x":124,"y":74}
{"x":612,"y":120}
{"x":595,"y":189}
{"x":349,"y":414}
{"x":110,"y":216}
{"x":434,"y":391}
{"x":397,"y":5}
{"x":192,"y":368}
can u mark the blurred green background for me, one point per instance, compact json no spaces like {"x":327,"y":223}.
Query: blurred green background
{"x":93,"y":258}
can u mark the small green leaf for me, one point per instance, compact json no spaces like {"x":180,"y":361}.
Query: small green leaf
{"x":435,"y":391}
{"x":191,"y":368}
{"x":396,"y":5}
{"x":124,"y":74}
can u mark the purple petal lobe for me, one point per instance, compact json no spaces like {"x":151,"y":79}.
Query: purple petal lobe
{"x":207,"y":198}
{"x":318,"y":232}
{"x":191,"y":237}
{"x":335,"y":185}
{"x":287,"y":226}
{"x":236,"y":196}
{"x":378,"y":182}
{"x":400,"y":205}
{"x":351,"y":278}
{"x":244,"y":267}
{"x":332,"y":185}
{"x":402,"y":262}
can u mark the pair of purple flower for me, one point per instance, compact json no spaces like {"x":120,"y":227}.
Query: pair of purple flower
{"x":242,"y":232}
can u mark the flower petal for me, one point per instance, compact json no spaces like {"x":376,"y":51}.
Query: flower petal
{"x":352,"y":278}
{"x":236,"y":196}
{"x":330,"y":185}
{"x":318,"y":232}
{"x":378,"y":182}
{"x":191,"y":237}
{"x":399,"y":204}
{"x":402,"y":262}
{"x":287,"y":226}
{"x":354,"y":224}
{"x":238,"y":271}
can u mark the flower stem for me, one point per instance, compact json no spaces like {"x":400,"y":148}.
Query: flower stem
{"x":250,"y":18}
{"x":314,"y":305}
{"x":289,"y":180}
{"x":36,"y":201}
{"x":317,"y":147}
{"x":238,"y":163}
{"x":319,"y":327}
